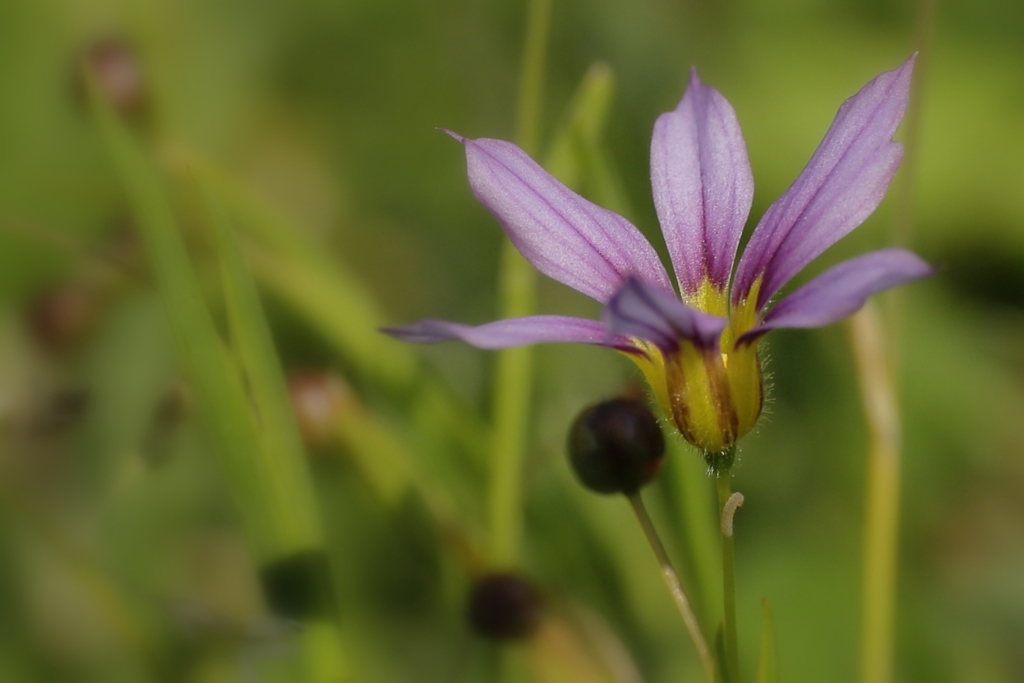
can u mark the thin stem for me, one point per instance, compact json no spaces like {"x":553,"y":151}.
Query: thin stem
{"x":674,"y":587}
{"x":531,"y":80}
{"x":877,"y":373}
{"x":732,"y":658}
{"x":517,"y":291}
{"x":881,"y":524}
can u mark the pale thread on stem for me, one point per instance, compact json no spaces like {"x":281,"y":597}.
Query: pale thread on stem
{"x":729,"y":511}
{"x":675,"y":588}
{"x":883,"y":483}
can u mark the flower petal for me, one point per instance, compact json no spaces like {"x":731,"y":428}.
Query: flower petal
{"x":640,"y":310}
{"x":504,"y":334}
{"x":839,"y":188}
{"x":841,"y":290}
{"x":702,"y":184}
{"x":591,"y":249}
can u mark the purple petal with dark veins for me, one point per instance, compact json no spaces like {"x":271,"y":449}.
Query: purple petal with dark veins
{"x":839,"y":188}
{"x":841,"y":290}
{"x":569,"y":239}
{"x":702,"y":184}
{"x":504,"y":334}
{"x":640,"y":310}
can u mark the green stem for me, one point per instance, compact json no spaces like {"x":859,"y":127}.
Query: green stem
{"x":877,"y":374}
{"x":668,"y":572}
{"x":513,"y":387}
{"x":881,"y":524}
{"x":517,"y":291}
{"x":732,"y":659}
{"x":531,"y":80}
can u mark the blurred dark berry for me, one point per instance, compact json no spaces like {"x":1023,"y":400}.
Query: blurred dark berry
{"x":60,"y":316}
{"x":616,"y":446}
{"x":59,"y":412}
{"x":170,"y":412}
{"x":504,"y":607}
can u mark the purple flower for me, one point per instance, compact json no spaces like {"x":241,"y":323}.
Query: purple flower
{"x":698,"y":348}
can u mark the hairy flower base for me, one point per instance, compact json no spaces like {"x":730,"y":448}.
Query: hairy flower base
{"x":713,"y":398}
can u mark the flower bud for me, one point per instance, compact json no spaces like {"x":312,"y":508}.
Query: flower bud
{"x":504,"y":607}
{"x":616,"y":446}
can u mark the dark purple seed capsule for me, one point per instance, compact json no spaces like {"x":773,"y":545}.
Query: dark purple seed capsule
{"x":616,"y":446}
{"x":504,"y":607}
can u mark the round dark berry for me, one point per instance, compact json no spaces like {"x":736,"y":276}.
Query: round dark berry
{"x":616,"y":446}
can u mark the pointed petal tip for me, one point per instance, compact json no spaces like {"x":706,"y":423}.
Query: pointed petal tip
{"x":419,"y":332}
{"x":451,"y":133}
{"x":842,"y":184}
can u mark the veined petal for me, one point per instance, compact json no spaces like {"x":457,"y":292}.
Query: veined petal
{"x":839,"y":188}
{"x":702,"y":185}
{"x":841,"y":290}
{"x":504,"y":334}
{"x":640,"y":310}
{"x":589,"y":248}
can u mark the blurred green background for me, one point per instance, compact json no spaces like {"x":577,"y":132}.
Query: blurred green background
{"x":121,"y":554}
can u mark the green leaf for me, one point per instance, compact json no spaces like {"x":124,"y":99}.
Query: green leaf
{"x":339,"y":306}
{"x":274,"y":497}
{"x":721,"y":660}
{"x":281,"y":453}
{"x":322,"y":289}
{"x":218,"y":389}
{"x":768,"y":671}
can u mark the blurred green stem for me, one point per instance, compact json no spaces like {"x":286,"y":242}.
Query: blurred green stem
{"x":876,"y":369}
{"x":531,"y":80}
{"x":732,"y":660}
{"x":668,"y":572}
{"x":881,"y":524}
{"x":517,"y":291}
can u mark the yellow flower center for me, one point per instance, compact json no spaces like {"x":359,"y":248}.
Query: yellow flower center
{"x":714,"y":396}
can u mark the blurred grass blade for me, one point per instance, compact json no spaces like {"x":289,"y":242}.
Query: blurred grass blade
{"x":285,"y":542}
{"x":721,"y":660}
{"x":283,"y":456}
{"x":218,"y":389}
{"x":577,"y":155}
{"x":379,"y":454}
{"x":289,"y":485}
{"x":318,"y":289}
{"x":337,"y":304}
{"x":768,"y":670}
{"x":389,"y":467}
{"x":333,"y":298}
